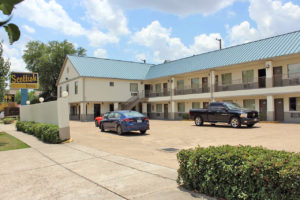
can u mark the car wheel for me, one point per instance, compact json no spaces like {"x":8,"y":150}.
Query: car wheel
{"x":250,"y":125}
{"x":119,"y":130}
{"x":102,"y":128}
{"x":96,"y":123}
{"x":143,"y":131}
{"x":213,"y":124}
{"x":235,"y":122}
{"x":198,"y":121}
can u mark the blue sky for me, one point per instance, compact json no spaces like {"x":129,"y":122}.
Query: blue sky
{"x":152,"y":30}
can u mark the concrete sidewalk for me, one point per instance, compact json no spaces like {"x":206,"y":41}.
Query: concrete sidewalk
{"x":72,"y":171}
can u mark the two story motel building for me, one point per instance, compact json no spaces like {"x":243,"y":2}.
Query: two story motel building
{"x":263,"y":75}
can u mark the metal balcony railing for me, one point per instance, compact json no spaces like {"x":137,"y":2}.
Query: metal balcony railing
{"x":240,"y":84}
{"x":157,"y":94}
{"x":190,"y":90}
{"x":286,"y":80}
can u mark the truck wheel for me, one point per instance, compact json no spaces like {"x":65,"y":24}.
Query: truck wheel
{"x":235,"y":122}
{"x":198,"y":121}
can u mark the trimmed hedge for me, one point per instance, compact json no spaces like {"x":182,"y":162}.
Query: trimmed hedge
{"x":241,"y":172}
{"x":8,"y":120}
{"x":46,"y":132}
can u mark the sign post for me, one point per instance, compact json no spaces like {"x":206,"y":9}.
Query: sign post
{"x":24,"y":81}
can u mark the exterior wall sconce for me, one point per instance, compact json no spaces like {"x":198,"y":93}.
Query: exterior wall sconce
{"x":41,"y":99}
{"x":65,"y":94}
{"x":27,"y":102}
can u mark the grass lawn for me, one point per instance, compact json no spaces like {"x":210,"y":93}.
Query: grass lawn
{"x":8,"y":142}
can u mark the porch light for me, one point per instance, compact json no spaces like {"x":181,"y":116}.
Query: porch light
{"x":65,"y":94}
{"x":27,"y":102}
{"x":41,"y":99}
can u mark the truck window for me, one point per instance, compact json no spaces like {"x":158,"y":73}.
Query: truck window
{"x":216,"y":106}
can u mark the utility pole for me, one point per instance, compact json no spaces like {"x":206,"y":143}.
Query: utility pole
{"x":220,"y":42}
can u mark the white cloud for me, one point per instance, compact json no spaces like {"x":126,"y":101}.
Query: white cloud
{"x":242,"y":33}
{"x":272,"y":17}
{"x":100,"y":53}
{"x":105,"y":15}
{"x":181,"y":8}
{"x":165,"y":47}
{"x":140,"y":57}
{"x":50,"y":15}
{"x":98,"y":38}
{"x":29,"y":29}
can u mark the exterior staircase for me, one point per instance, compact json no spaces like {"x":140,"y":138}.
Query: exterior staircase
{"x":133,"y":101}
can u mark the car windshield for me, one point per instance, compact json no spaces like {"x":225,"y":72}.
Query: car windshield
{"x":132,"y":114}
{"x":233,"y":106}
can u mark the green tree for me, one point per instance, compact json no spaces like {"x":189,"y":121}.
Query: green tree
{"x":47,"y":60}
{"x":31,"y":97}
{"x":4,"y":69}
{"x":7,"y":6}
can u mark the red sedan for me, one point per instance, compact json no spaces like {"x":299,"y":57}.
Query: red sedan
{"x":97,"y":121}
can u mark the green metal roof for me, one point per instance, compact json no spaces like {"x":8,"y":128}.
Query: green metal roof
{"x":106,"y":68}
{"x":286,"y":44}
{"x":281,"y":45}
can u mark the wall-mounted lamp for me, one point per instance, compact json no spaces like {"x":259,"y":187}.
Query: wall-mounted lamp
{"x":268,"y":66}
{"x":65,"y":94}
{"x":41,"y":99}
{"x":27,"y":102}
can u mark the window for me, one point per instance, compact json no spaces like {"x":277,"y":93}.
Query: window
{"x":180,"y":84}
{"x":295,"y":104}
{"x":76,"y":87}
{"x":117,"y":115}
{"x":60,"y":91}
{"x":226,"y":79}
{"x":196,"y":105}
{"x":159,"y":108}
{"x":294,"y":70}
{"x":248,"y":76}
{"x":181,"y":107}
{"x":111,"y":107}
{"x":111,"y":84}
{"x":158,"y":88}
{"x":67,"y":88}
{"x":249,"y":103}
{"x":134,"y":87}
{"x":205,"y":105}
{"x":195,"y":83}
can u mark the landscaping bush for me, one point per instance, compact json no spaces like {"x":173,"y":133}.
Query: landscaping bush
{"x":241,"y":172}
{"x":185,"y":116}
{"x":8,"y":120}
{"x":46,"y":132}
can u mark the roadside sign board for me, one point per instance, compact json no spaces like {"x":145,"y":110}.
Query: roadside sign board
{"x":24,"y":80}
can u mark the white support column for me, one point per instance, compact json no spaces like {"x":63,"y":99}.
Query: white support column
{"x":172,"y":103}
{"x":212,"y":85}
{"x":270,"y":108}
{"x":116,"y":106}
{"x":144,"y":108}
{"x":82,"y":111}
{"x":269,"y":74}
{"x":172,"y":116}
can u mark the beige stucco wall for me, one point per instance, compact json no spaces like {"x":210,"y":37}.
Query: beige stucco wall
{"x":42,"y":112}
{"x":69,"y":72}
{"x":72,"y":97}
{"x":97,"y":89}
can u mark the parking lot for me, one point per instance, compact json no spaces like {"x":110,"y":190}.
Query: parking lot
{"x":161,"y":143}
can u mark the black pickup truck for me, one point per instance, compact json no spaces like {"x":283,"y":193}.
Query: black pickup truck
{"x":225,"y":112}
